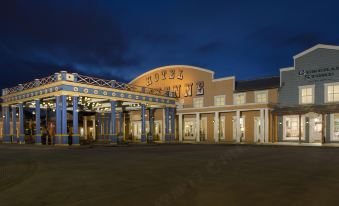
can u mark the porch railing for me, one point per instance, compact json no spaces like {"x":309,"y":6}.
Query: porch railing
{"x":88,"y":81}
{"x":122,"y":86}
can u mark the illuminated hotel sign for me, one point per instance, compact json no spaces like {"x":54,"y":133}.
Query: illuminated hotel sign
{"x":318,"y":74}
{"x":172,"y":74}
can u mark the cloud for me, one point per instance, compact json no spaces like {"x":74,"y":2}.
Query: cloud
{"x":40,"y":34}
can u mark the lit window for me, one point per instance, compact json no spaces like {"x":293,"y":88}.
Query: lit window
{"x":332,"y":91}
{"x":335,"y":122}
{"x":198,"y":102}
{"x":239,"y":98}
{"x":261,"y":97}
{"x":219,"y":100}
{"x":306,"y":94}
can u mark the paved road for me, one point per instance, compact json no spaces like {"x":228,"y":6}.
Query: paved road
{"x":169,"y":175}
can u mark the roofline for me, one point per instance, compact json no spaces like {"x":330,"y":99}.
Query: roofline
{"x":223,"y":78}
{"x":168,"y":66}
{"x":286,"y":69}
{"x":318,"y":46}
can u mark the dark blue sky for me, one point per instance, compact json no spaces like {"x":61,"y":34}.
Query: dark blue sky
{"x":122,"y":39}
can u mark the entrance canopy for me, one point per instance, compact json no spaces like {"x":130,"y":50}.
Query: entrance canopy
{"x":73,"y":84}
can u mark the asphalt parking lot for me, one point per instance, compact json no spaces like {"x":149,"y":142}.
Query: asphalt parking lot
{"x":169,"y":175}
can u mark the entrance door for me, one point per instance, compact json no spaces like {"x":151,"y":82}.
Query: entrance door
{"x":189,"y":129}
{"x":222,"y":128}
{"x":242,"y":128}
{"x":203,"y":129}
{"x":257,"y":131}
{"x":136,"y":129}
{"x":315,"y":129}
{"x":157,"y":130}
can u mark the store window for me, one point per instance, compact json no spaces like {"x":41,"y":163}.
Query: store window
{"x":291,"y":127}
{"x":261,"y":96}
{"x":198,"y":102}
{"x":335,"y":123}
{"x":219,"y":100}
{"x":239,"y":98}
{"x":306,"y":94}
{"x":332,"y":92}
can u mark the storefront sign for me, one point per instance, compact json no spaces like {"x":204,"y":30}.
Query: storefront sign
{"x":321,"y":74}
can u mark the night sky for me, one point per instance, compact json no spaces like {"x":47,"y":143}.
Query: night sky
{"x":122,"y":39}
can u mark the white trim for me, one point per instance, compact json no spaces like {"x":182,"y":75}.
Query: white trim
{"x":223,"y":78}
{"x":171,"y":66}
{"x":216,"y":107}
{"x":286,"y":69}
{"x":326,"y":91}
{"x":266,"y":125}
{"x":306,"y":87}
{"x":318,"y":46}
{"x":260,"y":92}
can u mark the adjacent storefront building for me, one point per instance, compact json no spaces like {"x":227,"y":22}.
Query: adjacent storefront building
{"x":308,"y":97}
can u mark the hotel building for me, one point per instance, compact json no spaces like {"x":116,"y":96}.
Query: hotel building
{"x":180,"y":103}
{"x":216,"y":110}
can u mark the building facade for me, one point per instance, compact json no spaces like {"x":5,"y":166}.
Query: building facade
{"x":309,"y":97}
{"x":180,"y":103}
{"x":216,"y":110}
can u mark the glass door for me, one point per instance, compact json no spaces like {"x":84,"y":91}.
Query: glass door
{"x":315,"y":129}
{"x":189,"y":129}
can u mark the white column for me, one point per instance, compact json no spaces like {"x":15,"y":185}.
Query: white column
{"x":216,"y":126}
{"x":94,"y":128}
{"x":262,"y":126}
{"x":85,"y":127}
{"x":180,"y":128}
{"x":266,"y":125}
{"x":237,"y":123}
{"x":197,"y":127}
{"x":163,"y":125}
